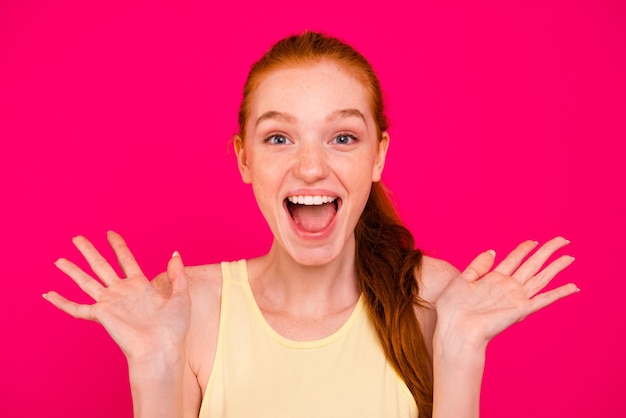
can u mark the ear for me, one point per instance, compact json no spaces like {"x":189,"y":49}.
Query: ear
{"x":379,"y":164}
{"x":242,"y":161}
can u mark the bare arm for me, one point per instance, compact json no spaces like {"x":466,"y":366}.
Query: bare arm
{"x":478,"y":304}
{"x":149,"y":327}
{"x":191,"y":391}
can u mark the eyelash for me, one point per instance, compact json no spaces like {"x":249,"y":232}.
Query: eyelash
{"x":269,"y":139}
{"x":354,"y":138}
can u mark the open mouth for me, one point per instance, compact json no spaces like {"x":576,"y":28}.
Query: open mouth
{"x":312,"y":213}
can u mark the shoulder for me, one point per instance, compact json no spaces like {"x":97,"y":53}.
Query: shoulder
{"x":433,"y":276}
{"x":205,"y":290}
{"x":204,"y":278}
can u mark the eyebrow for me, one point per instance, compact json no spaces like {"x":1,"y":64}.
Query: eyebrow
{"x":337,"y":114}
{"x":273,"y":114}
{"x":345,"y":113}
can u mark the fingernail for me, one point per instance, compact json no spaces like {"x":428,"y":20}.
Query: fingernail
{"x":175,"y":254}
{"x":492,"y":252}
{"x":567,"y":241}
{"x":577,"y":289}
{"x":573,"y":258}
{"x":44,"y":295}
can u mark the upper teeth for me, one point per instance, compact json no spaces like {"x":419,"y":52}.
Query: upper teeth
{"x":311,"y":200}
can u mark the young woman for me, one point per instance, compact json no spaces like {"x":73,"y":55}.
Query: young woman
{"x":342,"y":317}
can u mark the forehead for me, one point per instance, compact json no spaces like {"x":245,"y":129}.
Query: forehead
{"x":312,"y":87}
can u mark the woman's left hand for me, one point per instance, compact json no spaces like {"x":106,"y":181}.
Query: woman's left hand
{"x":480,"y":303}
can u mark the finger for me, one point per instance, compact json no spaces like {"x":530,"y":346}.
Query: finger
{"x":98,"y":264}
{"x":479,"y":266}
{"x":87,"y":283}
{"x":531,"y":266}
{"x":515,"y":258}
{"x":124,"y":257}
{"x":71,"y":308}
{"x":547,"y":298}
{"x":176,"y":274}
{"x":541,"y":280}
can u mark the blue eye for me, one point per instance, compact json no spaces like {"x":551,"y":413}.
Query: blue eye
{"x":345,"y":139}
{"x":276,"y":139}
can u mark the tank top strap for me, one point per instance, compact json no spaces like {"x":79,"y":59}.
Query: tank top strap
{"x":235,"y":272}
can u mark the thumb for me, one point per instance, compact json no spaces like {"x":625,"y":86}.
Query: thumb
{"x":479,"y":266}
{"x":176,"y":274}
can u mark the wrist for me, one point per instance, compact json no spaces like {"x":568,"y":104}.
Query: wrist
{"x":158,"y":361}
{"x":452,"y":329}
{"x":458,"y":346}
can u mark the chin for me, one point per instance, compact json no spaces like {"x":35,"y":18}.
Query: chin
{"x":316,"y":254}
{"x":314,"y":259}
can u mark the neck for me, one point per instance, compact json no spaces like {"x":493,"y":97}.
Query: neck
{"x":306,"y":290}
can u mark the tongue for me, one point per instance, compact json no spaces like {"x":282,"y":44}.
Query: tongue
{"x":313,"y":218}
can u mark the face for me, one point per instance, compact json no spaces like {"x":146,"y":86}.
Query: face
{"x":311,"y":153}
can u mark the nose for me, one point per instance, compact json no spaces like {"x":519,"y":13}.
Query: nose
{"x":311,"y":162}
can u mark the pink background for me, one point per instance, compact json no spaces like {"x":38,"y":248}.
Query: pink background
{"x":508,"y":123}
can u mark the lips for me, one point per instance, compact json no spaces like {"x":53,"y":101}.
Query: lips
{"x":312,"y":213}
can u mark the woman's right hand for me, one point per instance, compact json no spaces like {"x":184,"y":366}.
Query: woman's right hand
{"x":145,"y":323}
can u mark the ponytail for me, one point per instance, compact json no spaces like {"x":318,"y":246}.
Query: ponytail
{"x":386,"y":266}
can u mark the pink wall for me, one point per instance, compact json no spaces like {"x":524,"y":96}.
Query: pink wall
{"x":508,"y":124}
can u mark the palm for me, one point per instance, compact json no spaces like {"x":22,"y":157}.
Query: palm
{"x":138,"y":317}
{"x":480,"y":303}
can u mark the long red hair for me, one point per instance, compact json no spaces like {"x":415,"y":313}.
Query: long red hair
{"x":387,"y":263}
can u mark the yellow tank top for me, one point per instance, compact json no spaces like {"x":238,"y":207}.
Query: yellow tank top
{"x":259,"y":373}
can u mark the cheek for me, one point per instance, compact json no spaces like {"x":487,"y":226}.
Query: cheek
{"x":361,"y":168}
{"x":265,"y":182}
{"x":357,"y":179}
{"x":263,"y":188}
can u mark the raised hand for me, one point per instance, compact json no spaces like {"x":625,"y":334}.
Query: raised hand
{"x":479,"y":303}
{"x":142,"y":321}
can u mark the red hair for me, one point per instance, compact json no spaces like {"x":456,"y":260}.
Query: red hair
{"x":386,"y":261}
